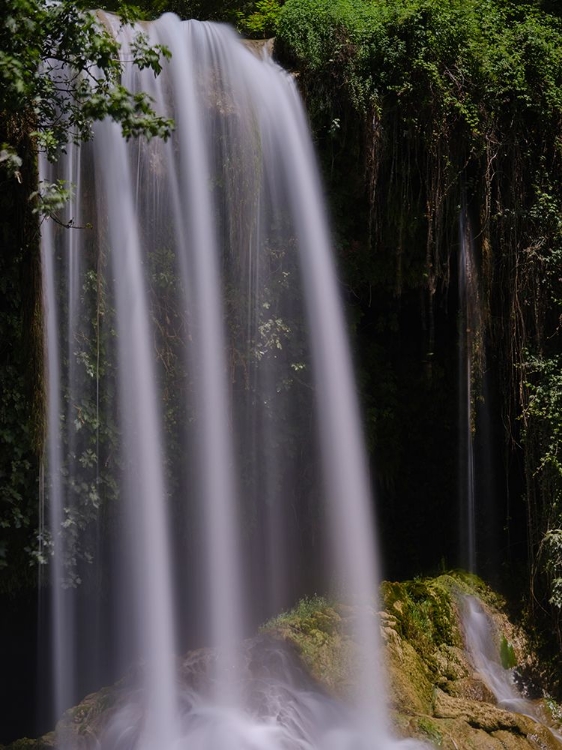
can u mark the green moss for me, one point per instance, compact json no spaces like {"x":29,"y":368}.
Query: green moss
{"x":427,"y":618}
{"x":303,"y":616}
{"x":430,"y":730}
{"x":317,"y":628}
{"x":23,"y":744}
{"x":553,"y":711}
{"x":507,"y":654}
{"x":421,"y":614}
{"x":424,"y":611}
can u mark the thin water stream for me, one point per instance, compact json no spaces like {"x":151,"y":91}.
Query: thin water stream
{"x":469,"y":335}
{"x":483,"y":648}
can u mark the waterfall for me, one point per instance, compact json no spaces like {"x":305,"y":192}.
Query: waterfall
{"x":205,"y":458}
{"x":480,"y":532}
{"x":469,"y":333}
{"x":483,"y":646}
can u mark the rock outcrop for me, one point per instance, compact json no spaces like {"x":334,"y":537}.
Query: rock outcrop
{"x":435,"y":693}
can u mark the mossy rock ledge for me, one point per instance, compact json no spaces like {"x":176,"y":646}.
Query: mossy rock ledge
{"x":435,"y":693}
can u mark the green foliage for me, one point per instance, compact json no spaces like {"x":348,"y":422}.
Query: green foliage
{"x":543,"y":438}
{"x":552,"y":542}
{"x":263,"y":19}
{"x":544,"y":408}
{"x":48,"y":56}
{"x":462,"y":63}
{"x":229,"y":11}
{"x":20,"y":366}
{"x":18,"y":480}
{"x":60,"y":71}
{"x":51,"y":197}
{"x":305,"y":615}
{"x":89,"y":476}
{"x":419,"y":107}
{"x":253,"y":18}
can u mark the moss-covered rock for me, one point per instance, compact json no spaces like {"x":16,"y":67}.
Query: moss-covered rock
{"x":427,"y":624}
{"x":319,"y":631}
{"x":45,"y":743}
{"x":435,"y":692}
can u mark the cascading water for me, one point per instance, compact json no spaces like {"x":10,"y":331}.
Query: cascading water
{"x":200,"y":403}
{"x":485,"y":653}
{"x":483,"y":647}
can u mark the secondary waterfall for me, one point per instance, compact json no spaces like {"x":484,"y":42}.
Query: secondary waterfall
{"x":483,"y":645}
{"x":469,"y":345}
{"x":205,"y":458}
{"x":479,"y":534}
